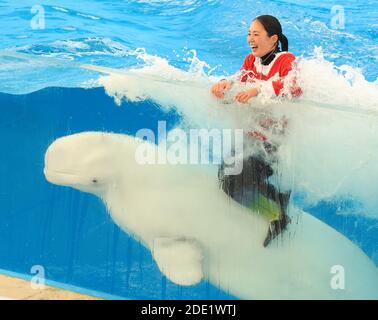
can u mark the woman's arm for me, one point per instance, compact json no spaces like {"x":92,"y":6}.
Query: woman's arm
{"x":244,"y":96}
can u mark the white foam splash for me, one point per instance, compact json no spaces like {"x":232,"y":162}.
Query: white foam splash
{"x":330,"y":150}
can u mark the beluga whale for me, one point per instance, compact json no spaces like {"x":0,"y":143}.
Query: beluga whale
{"x":196,"y":232}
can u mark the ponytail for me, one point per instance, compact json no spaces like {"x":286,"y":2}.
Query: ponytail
{"x":284,"y":43}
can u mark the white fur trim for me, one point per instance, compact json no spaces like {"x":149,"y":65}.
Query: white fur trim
{"x":266,"y":89}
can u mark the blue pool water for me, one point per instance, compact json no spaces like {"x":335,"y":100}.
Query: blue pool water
{"x":44,"y":95}
{"x":67,"y":232}
{"x":103,"y":32}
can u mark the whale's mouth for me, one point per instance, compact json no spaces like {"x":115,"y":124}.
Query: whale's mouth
{"x":62,"y":178}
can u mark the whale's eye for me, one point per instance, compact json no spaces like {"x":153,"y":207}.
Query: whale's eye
{"x":94,"y":180}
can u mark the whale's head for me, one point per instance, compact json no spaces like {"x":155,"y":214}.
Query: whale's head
{"x":86,"y":161}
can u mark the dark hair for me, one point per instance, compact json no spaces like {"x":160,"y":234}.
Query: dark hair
{"x":272,"y":27}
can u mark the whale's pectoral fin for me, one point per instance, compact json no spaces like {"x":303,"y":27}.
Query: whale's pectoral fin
{"x":179,"y":259}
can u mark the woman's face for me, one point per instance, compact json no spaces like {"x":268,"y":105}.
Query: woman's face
{"x":259,"y":40}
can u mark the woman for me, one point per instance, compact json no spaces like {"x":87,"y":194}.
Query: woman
{"x":265,"y":70}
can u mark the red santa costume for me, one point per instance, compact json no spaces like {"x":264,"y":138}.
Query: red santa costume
{"x":270,"y":75}
{"x":270,"y":72}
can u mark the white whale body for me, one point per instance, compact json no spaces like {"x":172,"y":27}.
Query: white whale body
{"x":195,"y":232}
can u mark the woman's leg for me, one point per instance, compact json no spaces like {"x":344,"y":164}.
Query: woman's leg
{"x":252,"y":189}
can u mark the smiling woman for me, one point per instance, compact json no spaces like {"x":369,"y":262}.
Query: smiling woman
{"x":265,"y":71}
{"x":269,"y":62}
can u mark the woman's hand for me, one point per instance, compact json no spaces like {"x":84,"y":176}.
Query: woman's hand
{"x":220,"y":87}
{"x":244,"y":96}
